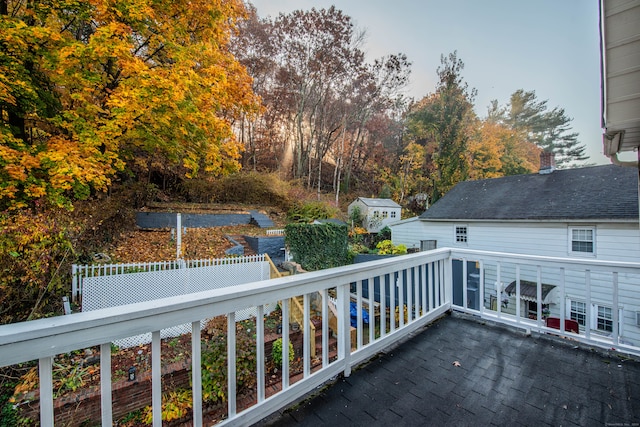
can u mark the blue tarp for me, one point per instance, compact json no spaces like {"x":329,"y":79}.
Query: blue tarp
{"x":353,"y":311}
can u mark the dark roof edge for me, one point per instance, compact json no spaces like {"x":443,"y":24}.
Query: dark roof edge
{"x":578,"y":220}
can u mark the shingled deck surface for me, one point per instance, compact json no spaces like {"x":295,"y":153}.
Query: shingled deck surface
{"x":461,"y":372}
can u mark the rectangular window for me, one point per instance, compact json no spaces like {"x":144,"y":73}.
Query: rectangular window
{"x":604,"y":319}
{"x":385,"y":214}
{"x":600,"y":317}
{"x":579,"y":312}
{"x":428,"y":245}
{"x":582,"y":240}
{"x":393,"y":214}
{"x":461,"y":234}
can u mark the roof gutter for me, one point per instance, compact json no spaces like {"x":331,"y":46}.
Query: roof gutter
{"x":614,"y":159}
{"x":611,"y":145}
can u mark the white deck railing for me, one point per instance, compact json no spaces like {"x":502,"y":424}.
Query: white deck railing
{"x":419,"y":285}
{"x":595,"y":285}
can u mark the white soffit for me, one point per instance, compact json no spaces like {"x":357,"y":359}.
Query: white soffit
{"x":621,"y":75}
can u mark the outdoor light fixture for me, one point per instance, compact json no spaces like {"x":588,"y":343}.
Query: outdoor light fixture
{"x":132,"y":373}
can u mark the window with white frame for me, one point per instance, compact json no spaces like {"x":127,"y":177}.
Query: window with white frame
{"x":579,"y":312}
{"x":385,"y":214}
{"x":604,"y":318}
{"x":600,"y":316}
{"x":393,"y":214}
{"x":582,"y":240}
{"x":461,"y":234}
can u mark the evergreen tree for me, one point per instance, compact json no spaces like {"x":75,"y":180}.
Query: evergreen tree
{"x":548,"y":129}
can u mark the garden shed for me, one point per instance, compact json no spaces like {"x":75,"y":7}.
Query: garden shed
{"x":376,"y":213}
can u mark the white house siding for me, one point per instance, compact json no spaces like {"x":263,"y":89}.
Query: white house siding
{"x":613,"y":241}
{"x":408,"y":232}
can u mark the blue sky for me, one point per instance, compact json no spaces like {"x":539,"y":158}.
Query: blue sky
{"x":548,"y":46}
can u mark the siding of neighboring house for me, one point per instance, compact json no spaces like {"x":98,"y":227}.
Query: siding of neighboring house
{"x":613,"y":241}
{"x":408,"y":231}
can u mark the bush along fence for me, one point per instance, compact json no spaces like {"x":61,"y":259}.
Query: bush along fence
{"x":318,"y":246}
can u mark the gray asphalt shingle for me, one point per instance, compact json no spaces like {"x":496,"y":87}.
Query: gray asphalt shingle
{"x":505,"y":378}
{"x":597,"y":192}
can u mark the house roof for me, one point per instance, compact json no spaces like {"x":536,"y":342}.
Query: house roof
{"x":599,"y":192}
{"x":378,"y":203}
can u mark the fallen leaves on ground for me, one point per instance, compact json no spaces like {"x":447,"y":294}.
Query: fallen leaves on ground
{"x":197,"y":243}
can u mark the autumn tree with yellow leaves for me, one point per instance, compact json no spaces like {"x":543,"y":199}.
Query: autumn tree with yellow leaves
{"x":91,"y":88}
{"x":96,"y":91}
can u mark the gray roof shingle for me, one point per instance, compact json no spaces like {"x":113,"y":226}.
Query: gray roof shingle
{"x":597,"y":192}
{"x":378,"y":203}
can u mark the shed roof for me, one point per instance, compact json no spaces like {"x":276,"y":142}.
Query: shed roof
{"x":378,"y":203}
{"x":605,"y":192}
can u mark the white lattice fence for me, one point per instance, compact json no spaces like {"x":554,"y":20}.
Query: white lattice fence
{"x":113,"y":289}
{"x":80,"y":272}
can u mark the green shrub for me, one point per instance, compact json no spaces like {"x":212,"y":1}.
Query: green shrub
{"x":386,"y":247}
{"x":276,"y":352}
{"x":309,"y":211}
{"x":384,"y":234}
{"x":318,"y":246}
{"x":35,"y":251}
{"x":355,"y":217}
{"x":214,"y":359}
